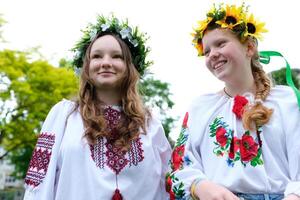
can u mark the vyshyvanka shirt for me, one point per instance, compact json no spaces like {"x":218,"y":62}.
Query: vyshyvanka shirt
{"x":64,"y":166}
{"x":213,"y":145}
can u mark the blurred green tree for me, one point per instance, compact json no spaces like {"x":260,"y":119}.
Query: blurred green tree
{"x":28,"y":91}
{"x":278,"y":77}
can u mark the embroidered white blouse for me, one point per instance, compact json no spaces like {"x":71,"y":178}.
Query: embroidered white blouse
{"x":213,"y":145}
{"x":64,"y":166}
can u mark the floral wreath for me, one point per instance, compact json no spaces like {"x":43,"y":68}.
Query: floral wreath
{"x":134,"y":39}
{"x":231,"y":17}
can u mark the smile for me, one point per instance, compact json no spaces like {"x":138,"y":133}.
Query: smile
{"x":219,"y":64}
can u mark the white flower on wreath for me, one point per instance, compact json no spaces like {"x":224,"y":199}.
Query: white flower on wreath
{"x":93,"y":34}
{"x":104,"y":27}
{"x":126,"y":33}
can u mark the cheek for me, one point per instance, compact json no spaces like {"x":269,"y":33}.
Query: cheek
{"x":93,"y":66}
{"x":207,"y":63}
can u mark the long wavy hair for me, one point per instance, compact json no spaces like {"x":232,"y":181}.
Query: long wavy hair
{"x":256,"y":114}
{"x":134,"y":115}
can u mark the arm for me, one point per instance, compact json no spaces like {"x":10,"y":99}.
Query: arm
{"x":40,"y":178}
{"x":185,"y":165}
{"x":291,"y":123}
{"x":164,"y":152}
{"x":187,"y":179}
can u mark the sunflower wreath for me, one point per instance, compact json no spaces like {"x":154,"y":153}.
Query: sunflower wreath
{"x":230,"y":17}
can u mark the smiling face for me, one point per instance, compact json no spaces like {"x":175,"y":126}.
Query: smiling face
{"x":226,"y":57}
{"x":107,"y":67}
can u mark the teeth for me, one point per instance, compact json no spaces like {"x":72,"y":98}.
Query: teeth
{"x":219,"y":64}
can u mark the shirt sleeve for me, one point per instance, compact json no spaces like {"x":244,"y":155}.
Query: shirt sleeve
{"x":185,"y":165}
{"x":291,"y":123}
{"x":40,"y":177}
{"x":163,"y":149}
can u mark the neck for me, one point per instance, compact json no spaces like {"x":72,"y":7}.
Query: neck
{"x":109,"y":97}
{"x":241,"y":88}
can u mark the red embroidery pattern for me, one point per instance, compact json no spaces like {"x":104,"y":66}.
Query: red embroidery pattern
{"x":136,"y":152}
{"x":97,"y":152}
{"x":113,"y":157}
{"x":40,"y":159}
{"x":246,"y":149}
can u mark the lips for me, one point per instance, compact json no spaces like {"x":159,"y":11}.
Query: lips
{"x":106,"y":72}
{"x":219,"y":64}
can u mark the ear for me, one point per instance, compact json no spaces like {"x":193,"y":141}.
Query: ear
{"x":251,"y":48}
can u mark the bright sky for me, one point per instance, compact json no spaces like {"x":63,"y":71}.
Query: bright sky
{"x":55,"y":26}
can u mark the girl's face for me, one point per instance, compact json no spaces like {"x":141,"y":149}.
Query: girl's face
{"x":107,"y":67}
{"x":226,"y":57}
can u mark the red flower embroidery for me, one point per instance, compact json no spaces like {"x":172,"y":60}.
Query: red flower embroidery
{"x":169,"y":187}
{"x":177,"y":157}
{"x":248,"y":148}
{"x":185,"y":120}
{"x":221,"y":137}
{"x":238,"y":106}
{"x":172,"y":195}
{"x":234,"y":147}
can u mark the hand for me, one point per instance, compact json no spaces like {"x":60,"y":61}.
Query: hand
{"x":211,"y":191}
{"x":292,"y":197}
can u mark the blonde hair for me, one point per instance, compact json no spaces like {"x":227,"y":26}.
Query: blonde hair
{"x":134,"y":115}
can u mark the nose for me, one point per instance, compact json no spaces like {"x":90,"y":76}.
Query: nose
{"x":214,"y":54}
{"x":106,"y":62}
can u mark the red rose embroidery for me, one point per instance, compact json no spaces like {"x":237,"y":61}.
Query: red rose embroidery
{"x":221,"y":137}
{"x":248,"y":148}
{"x":238,"y":106}
{"x":185,"y":120}
{"x":234,"y":147}
{"x":177,"y":157}
{"x":172,"y":195}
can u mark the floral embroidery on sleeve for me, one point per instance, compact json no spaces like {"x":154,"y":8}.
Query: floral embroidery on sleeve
{"x":178,"y":160}
{"x":39,"y":162}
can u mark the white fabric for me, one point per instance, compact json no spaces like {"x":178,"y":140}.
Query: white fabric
{"x":280,"y":171}
{"x":73,"y":174}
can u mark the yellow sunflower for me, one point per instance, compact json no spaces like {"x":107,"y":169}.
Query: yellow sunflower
{"x":234,"y":16}
{"x":254,"y":28}
{"x":199,"y":48}
{"x":198,"y":34}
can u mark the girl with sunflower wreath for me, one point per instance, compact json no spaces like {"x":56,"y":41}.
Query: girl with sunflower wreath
{"x":243,"y":141}
{"x":106,"y":145}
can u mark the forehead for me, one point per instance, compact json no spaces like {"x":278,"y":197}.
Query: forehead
{"x":106,"y":42}
{"x":216,"y":34}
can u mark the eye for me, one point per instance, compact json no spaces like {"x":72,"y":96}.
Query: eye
{"x":118,"y":56}
{"x":206,"y":53}
{"x":95,"y":56}
{"x":221,"y":43}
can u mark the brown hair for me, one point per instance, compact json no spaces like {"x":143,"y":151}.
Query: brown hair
{"x":257,"y":115}
{"x":134,"y":115}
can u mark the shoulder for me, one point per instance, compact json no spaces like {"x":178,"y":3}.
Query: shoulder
{"x":282,"y":94}
{"x":64,"y":103}
{"x":63,"y":106}
{"x":153,"y":120}
{"x":206,"y":101}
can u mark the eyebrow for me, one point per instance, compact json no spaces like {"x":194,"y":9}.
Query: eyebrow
{"x":100,"y":51}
